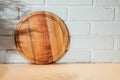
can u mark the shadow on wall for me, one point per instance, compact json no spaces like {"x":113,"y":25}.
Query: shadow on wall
{"x":9,"y":17}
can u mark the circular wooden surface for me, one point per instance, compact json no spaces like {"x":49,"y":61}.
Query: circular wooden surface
{"x":42,"y":37}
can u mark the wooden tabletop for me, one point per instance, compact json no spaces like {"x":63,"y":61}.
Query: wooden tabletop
{"x":60,"y":72}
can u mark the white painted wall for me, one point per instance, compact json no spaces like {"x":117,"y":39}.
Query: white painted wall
{"x":94,"y":26}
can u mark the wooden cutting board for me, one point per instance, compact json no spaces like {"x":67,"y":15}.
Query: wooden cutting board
{"x":42,"y":37}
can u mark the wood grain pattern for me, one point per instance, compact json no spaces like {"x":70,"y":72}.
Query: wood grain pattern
{"x":42,"y":37}
{"x":70,"y":71}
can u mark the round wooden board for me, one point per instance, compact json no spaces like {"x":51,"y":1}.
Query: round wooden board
{"x":42,"y":37}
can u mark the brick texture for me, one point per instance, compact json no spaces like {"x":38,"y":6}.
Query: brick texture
{"x":117,"y":13}
{"x":91,"y":13}
{"x":107,"y":2}
{"x":21,"y":2}
{"x":7,"y":43}
{"x":35,"y":2}
{"x":7,"y":28}
{"x":118,"y":43}
{"x":106,"y":28}
{"x":69,"y":2}
{"x":11,"y":57}
{"x":8,"y":12}
{"x":106,"y":56}
{"x":91,"y":43}
{"x":61,"y":12}
{"x":78,"y":28}
{"x":76,"y":56}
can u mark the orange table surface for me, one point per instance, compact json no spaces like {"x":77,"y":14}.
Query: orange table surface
{"x":71,"y":71}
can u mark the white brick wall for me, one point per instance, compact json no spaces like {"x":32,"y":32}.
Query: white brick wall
{"x":78,"y":28}
{"x":117,"y":13}
{"x":69,"y":2}
{"x":76,"y":56}
{"x":11,"y":56}
{"x":7,"y":28}
{"x":107,"y":2}
{"x":35,"y":2}
{"x":105,"y":56}
{"x":94,"y":27}
{"x":91,"y":13}
{"x":8,"y":12}
{"x":106,"y":28}
{"x":7,"y":43}
{"x":91,"y":43}
{"x":61,"y":12}
{"x":21,"y":2}
{"x":118,"y":43}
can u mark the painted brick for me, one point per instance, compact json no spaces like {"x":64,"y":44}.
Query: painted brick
{"x":78,"y":28}
{"x":106,"y":28}
{"x":7,"y":43}
{"x":76,"y":56}
{"x":118,"y":43}
{"x":61,"y":12}
{"x":7,"y":28}
{"x":35,"y":2}
{"x":8,"y":12}
{"x":107,"y":2}
{"x":11,"y":57}
{"x":91,"y":13}
{"x":91,"y":43}
{"x":106,"y":56}
{"x":69,"y":2}
{"x":117,"y":13}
